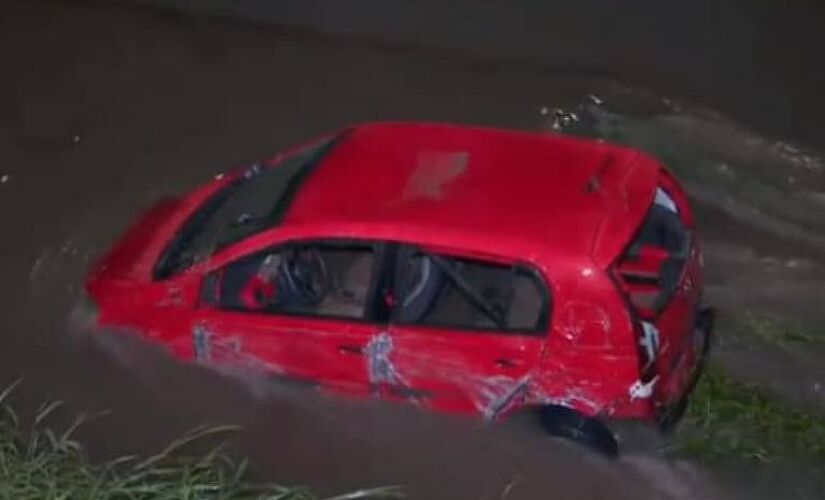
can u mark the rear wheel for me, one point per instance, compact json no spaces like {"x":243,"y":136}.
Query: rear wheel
{"x":569,"y":424}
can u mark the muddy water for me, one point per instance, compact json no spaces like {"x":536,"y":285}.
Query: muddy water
{"x":106,"y":109}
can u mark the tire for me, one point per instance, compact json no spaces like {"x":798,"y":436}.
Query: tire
{"x":569,"y":424}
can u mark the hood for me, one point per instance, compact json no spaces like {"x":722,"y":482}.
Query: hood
{"x":134,"y":255}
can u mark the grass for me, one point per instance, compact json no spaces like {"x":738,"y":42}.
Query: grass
{"x":771,"y":329}
{"x":39,"y":462}
{"x":729,"y":419}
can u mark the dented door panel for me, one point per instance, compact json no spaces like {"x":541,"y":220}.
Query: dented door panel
{"x":461,"y":371}
{"x":159,"y":311}
{"x":467,"y":332}
{"x":326,"y":352}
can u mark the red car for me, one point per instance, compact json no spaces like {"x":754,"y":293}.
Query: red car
{"x":464,"y":269}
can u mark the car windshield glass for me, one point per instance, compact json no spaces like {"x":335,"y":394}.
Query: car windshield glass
{"x":256,"y":201}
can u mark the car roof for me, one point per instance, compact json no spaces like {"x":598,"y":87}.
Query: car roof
{"x":461,"y":186}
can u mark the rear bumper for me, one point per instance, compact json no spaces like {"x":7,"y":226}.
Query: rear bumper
{"x":669,"y":416}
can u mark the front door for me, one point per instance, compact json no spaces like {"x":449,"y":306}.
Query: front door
{"x":301,"y":311}
{"x":466,"y":333}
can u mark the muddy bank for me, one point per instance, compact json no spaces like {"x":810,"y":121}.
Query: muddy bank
{"x":110,"y":108}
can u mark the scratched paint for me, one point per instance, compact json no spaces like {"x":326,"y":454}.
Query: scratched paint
{"x":580,"y":320}
{"x":501,"y":393}
{"x":434,"y":170}
{"x":212,"y":348}
{"x":201,"y":338}
{"x":586,"y":396}
{"x":492,"y":395}
{"x":380,"y":367}
{"x":576,"y":399}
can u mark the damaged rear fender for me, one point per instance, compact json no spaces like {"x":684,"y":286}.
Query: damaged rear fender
{"x":572,"y":425}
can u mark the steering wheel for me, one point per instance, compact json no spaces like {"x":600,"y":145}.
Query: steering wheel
{"x":304,"y":276}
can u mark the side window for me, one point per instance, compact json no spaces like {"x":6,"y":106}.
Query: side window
{"x":438,"y":290}
{"x":329,"y":279}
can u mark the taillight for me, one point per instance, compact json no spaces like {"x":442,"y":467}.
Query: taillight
{"x":649,"y":270}
{"x":640,"y":277}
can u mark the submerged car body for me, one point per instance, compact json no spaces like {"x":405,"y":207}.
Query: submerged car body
{"x":463,"y":268}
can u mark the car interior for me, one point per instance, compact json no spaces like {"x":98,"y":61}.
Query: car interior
{"x":334,"y":280}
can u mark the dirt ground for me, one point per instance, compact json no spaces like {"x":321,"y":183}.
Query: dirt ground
{"x":105,"y":109}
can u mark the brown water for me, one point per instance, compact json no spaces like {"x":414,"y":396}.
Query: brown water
{"x":104,"y":109}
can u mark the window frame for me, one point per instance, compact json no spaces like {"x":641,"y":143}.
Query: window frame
{"x":543,"y":322}
{"x":374,"y":302}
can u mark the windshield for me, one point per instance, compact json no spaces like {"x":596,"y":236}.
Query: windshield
{"x":256,"y":201}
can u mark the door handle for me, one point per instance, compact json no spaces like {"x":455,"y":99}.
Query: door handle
{"x":350,"y":349}
{"x":506,"y":363}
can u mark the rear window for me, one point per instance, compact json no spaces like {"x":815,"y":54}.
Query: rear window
{"x":650,"y":269}
{"x":256,"y":201}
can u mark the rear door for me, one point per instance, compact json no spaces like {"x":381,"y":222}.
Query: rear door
{"x":465,"y":335}
{"x":299,"y":310}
